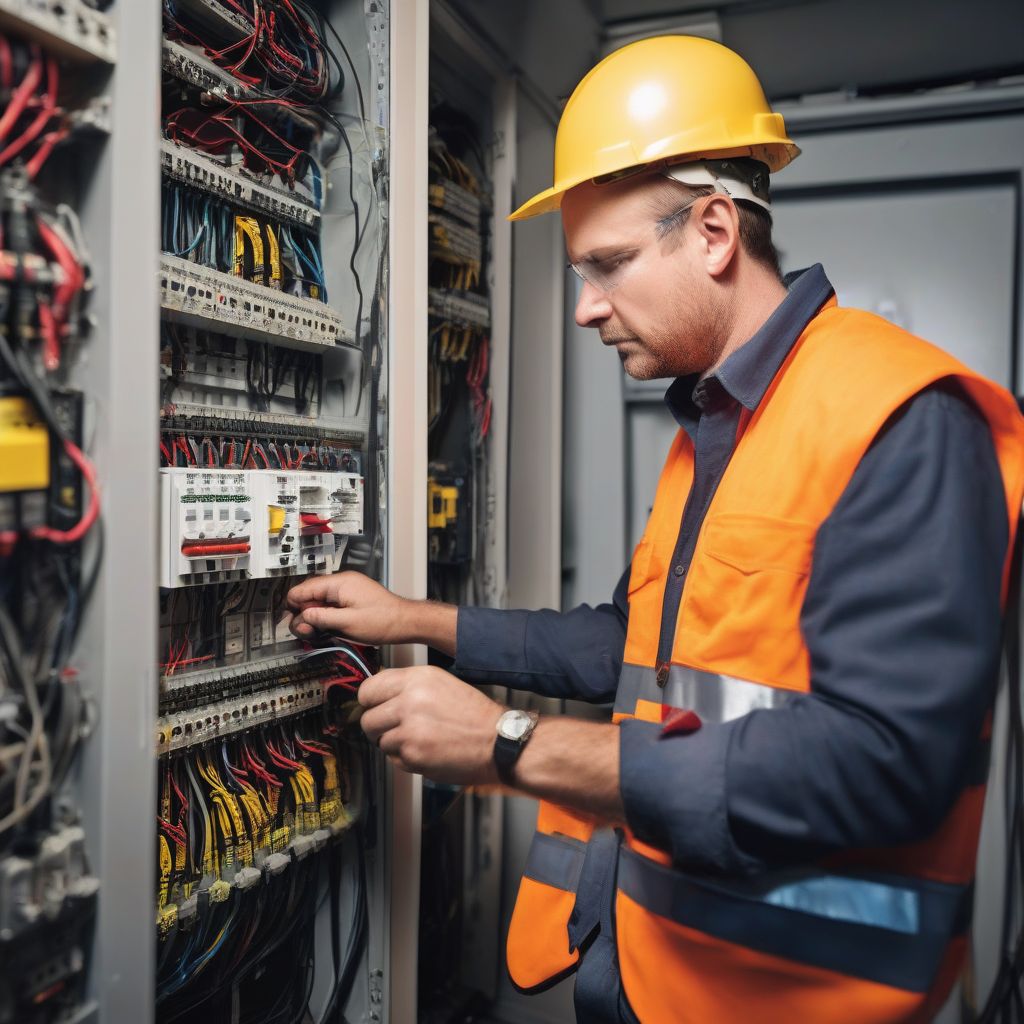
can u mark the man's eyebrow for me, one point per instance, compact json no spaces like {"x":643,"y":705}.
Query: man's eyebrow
{"x":602,"y":252}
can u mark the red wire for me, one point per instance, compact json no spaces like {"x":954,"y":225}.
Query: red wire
{"x":51,"y":342}
{"x":43,"y":152}
{"x":77,"y":532}
{"x":49,"y":108}
{"x":5,"y":63}
{"x":25,"y":89}
{"x":178,"y":662}
{"x":74,"y":275}
{"x":190,"y":459}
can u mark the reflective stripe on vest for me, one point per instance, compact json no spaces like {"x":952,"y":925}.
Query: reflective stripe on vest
{"x":715,"y":698}
{"x":555,"y":860}
{"x":893,"y":933}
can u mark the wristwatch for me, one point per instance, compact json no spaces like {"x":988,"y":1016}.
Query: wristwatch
{"x":514,"y":728}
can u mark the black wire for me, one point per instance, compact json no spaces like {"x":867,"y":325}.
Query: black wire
{"x":355,"y":245}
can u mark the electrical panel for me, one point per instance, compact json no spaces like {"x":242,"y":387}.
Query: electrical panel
{"x":460,"y":866}
{"x":459,"y":391}
{"x":54,"y":65}
{"x":272,"y":340}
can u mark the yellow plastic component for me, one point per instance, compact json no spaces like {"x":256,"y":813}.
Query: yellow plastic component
{"x":273,"y":257}
{"x":220,"y":891}
{"x":248,"y":227}
{"x":165,"y":868}
{"x":663,"y":100}
{"x":166,"y":918}
{"x":24,"y":447}
{"x":276,"y":515}
{"x":442,"y":505}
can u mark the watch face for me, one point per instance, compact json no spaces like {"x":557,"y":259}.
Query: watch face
{"x":513,"y":724}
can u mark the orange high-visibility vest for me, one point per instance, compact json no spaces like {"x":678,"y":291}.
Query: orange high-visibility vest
{"x":867,"y":936}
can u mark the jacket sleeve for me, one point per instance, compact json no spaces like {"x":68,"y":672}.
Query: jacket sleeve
{"x":575,"y":654}
{"x":902,"y":622}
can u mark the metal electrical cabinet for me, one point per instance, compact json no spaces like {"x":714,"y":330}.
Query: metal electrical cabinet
{"x":311,"y":345}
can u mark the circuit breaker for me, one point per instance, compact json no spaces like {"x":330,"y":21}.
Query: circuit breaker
{"x":221,"y":525}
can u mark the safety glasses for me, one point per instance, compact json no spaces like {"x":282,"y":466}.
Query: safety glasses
{"x":606,"y":273}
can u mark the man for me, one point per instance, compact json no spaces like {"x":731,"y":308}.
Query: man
{"x":781,"y":824}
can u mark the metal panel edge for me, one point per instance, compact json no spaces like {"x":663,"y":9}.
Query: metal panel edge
{"x":407,"y":462}
{"x":122,"y":769}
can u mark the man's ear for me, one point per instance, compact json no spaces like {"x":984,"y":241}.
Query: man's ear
{"x":718,"y":224}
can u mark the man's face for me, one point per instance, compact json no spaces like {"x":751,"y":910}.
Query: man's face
{"x":661,"y":316}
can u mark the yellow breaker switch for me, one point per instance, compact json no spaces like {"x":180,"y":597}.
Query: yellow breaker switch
{"x":442,"y":505}
{"x":24,"y":447}
{"x":276,"y":516}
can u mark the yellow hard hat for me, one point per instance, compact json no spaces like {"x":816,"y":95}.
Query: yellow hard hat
{"x":662,"y":100}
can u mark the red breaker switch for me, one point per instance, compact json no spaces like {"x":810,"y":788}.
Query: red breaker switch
{"x":203,"y":549}
{"x":313,"y":524}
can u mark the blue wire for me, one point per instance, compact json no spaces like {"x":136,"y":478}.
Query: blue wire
{"x":317,"y":184}
{"x":304,"y":259}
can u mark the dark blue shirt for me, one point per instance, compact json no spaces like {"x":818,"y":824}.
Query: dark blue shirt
{"x":901,"y":619}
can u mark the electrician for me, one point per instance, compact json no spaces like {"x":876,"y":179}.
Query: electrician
{"x":781,"y":824}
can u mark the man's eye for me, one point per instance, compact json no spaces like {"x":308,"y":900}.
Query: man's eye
{"x":611,"y":263}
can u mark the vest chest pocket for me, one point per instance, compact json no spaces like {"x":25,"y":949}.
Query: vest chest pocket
{"x":643,"y":568}
{"x":744,"y":595}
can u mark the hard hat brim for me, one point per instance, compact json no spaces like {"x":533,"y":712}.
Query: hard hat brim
{"x":547,"y":201}
{"x":776,"y":156}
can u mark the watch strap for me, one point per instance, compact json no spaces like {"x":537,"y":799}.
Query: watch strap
{"x":506,"y":753}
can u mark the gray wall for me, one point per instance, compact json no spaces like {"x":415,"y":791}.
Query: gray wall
{"x":807,"y":46}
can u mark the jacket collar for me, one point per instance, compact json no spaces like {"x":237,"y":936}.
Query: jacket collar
{"x":747,"y":373}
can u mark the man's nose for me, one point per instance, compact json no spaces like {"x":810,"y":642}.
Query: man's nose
{"x":592,"y":307}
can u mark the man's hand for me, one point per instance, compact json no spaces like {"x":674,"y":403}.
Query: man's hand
{"x":349,"y":604}
{"x":431,"y":723}
{"x":357,"y":608}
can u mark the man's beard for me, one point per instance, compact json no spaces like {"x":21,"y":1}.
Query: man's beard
{"x":692,"y":344}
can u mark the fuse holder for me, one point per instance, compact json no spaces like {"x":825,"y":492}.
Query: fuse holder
{"x":24,"y":446}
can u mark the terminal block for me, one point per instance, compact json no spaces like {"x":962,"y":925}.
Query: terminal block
{"x":201,"y":297}
{"x":70,"y":28}
{"x":231,"y":184}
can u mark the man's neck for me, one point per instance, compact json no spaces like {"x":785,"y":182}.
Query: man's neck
{"x":762,"y":293}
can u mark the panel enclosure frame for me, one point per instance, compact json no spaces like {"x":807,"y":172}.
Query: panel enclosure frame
{"x":117,"y":781}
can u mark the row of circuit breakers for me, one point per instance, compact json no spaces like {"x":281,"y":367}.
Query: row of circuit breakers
{"x":222,"y":525}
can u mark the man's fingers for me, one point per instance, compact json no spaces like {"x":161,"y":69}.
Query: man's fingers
{"x":315,"y":590}
{"x":377,"y":721}
{"x":382,"y":687}
{"x":300,"y":627}
{"x":327,"y":620}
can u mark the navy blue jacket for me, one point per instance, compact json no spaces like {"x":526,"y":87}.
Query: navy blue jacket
{"x":901,"y":619}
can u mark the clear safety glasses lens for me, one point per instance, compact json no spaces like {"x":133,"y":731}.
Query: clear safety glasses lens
{"x":605,"y":275}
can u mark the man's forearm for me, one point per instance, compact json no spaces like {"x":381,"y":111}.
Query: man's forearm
{"x":574,"y":763}
{"x":432,"y":623}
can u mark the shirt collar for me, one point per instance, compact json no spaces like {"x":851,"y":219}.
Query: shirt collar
{"x":748,"y":372}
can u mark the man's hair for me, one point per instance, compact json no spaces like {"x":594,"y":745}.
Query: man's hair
{"x":667,"y":195}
